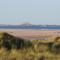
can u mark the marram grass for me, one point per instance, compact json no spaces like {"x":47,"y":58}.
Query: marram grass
{"x":28,"y":50}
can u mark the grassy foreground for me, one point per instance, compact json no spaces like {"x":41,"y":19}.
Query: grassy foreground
{"x":13,"y":48}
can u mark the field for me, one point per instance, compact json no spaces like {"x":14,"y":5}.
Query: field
{"x":29,"y":45}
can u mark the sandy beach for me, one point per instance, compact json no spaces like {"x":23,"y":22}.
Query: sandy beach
{"x":32,"y":34}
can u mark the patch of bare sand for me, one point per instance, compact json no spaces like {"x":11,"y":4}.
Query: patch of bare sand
{"x":32,"y":34}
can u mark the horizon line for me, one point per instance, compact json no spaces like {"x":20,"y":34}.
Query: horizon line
{"x":28,"y":24}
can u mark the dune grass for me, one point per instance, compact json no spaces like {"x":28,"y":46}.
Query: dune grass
{"x":28,"y":50}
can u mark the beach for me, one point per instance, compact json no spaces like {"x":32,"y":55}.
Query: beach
{"x":31,"y":34}
{"x":29,"y":44}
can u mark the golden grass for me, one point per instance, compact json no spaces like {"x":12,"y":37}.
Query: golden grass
{"x":38,"y":51}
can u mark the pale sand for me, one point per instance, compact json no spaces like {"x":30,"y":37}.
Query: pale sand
{"x":31,"y":34}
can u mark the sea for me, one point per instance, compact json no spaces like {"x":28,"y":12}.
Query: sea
{"x":32,"y":27}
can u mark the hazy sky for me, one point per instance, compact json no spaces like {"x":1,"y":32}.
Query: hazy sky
{"x":33,"y":11}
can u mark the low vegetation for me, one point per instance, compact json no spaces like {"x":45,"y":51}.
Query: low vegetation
{"x":13,"y":48}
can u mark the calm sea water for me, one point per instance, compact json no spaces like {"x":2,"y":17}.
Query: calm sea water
{"x":32,"y":27}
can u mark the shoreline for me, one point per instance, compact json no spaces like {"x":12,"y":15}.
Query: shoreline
{"x":31,"y":34}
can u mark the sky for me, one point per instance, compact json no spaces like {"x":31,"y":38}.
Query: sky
{"x":32,"y":11}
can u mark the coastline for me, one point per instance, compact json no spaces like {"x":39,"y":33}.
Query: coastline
{"x":31,"y":34}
